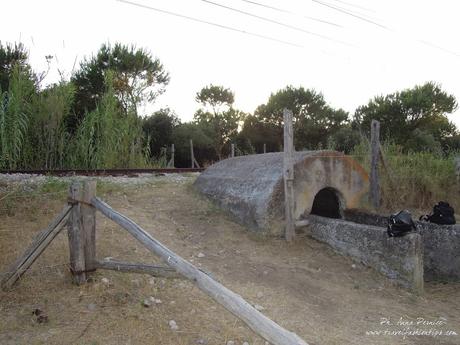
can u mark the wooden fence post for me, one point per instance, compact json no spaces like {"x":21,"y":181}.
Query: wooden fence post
{"x":233,"y":150}
{"x":374,"y":176}
{"x":288,"y":174}
{"x":265,"y":148}
{"x":173,"y":151}
{"x":88,"y":223}
{"x":171,"y":161}
{"x":192,"y":155}
{"x":76,"y":235}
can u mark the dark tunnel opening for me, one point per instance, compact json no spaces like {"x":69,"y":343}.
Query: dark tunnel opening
{"x":327,"y":204}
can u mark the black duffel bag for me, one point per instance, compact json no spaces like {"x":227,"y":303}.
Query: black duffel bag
{"x":443,"y":214}
{"x":400,"y":224}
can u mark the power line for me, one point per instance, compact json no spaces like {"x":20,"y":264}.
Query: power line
{"x":353,"y":5}
{"x":349,"y":13}
{"x":210,"y":23}
{"x":440,"y":48}
{"x":426,"y":43}
{"x":274,"y":22}
{"x":351,"y":10}
{"x":290,"y":12}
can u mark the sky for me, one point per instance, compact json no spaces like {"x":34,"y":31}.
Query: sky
{"x":349,"y":50}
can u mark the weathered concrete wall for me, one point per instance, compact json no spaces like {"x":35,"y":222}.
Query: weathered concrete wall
{"x":400,"y":258}
{"x":441,"y":245}
{"x":251,"y":187}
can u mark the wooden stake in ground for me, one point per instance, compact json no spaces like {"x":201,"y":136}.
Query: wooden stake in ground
{"x":88,"y":224}
{"x":288,"y":174}
{"x":76,"y":235}
{"x":233,"y":302}
{"x":171,"y":161}
{"x":374,"y":176}
{"x":233,"y":150}
{"x":265,"y":148}
{"x":192,"y":156}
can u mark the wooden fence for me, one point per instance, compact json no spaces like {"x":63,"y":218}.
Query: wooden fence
{"x":80,"y":217}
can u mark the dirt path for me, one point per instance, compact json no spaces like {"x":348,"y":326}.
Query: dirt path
{"x":307,"y":288}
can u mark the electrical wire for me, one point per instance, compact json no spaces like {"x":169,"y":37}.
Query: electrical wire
{"x":275,"y":22}
{"x":426,"y":43}
{"x":353,"y":5}
{"x":349,"y":13}
{"x":290,"y":12}
{"x":210,"y":23}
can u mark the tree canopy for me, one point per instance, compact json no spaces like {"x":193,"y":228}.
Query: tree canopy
{"x":423,"y":108}
{"x":11,"y":56}
{"x":158,"y":129}
{"x":94,"y":120}
{"x":137,"y":78}
{"x":314,"y":120}
{"x":223,"y":120}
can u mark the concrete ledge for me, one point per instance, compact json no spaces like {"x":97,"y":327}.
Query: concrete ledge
{"x":441,"y":245}
{"x":400,"y":259}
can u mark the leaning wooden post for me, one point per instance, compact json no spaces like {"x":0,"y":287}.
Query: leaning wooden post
{"x":40,"y":243}
{"x":375,"y":153}
{"x":88,"y":223}
{"x":288,"y":174}
{"x":233,"y":150}
{"x":262,"y":325}
{"x":76,"y":235}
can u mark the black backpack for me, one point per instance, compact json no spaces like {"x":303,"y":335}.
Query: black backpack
{"x":443,"y":214}
{"x":400,"y":224}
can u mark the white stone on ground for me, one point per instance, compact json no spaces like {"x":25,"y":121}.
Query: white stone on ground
{"x":155,"y":300}
{"x":173,"y":325}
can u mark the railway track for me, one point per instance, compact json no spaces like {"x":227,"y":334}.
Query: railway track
{"x":102,"y":172}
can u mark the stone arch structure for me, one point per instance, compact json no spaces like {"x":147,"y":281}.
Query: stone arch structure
{"x":251,"y":187}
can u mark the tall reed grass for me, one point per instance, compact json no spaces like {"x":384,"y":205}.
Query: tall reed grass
{"x":108,"y":137}
{"x":413,"y":180}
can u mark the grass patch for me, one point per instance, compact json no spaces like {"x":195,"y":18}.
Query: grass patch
{"x":414,"y":181}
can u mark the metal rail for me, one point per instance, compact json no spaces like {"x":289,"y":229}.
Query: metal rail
{"x":102,"y":172}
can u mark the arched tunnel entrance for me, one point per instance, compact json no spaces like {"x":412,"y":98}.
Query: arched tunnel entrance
{"x":327,"y":203}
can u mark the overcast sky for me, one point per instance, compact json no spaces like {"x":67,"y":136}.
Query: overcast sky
{"x":394,"y":44}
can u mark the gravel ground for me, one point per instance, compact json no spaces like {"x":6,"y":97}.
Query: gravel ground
{"x":29,"y":182}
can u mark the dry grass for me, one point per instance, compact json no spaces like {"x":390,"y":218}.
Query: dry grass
{"x":305,"y":287}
